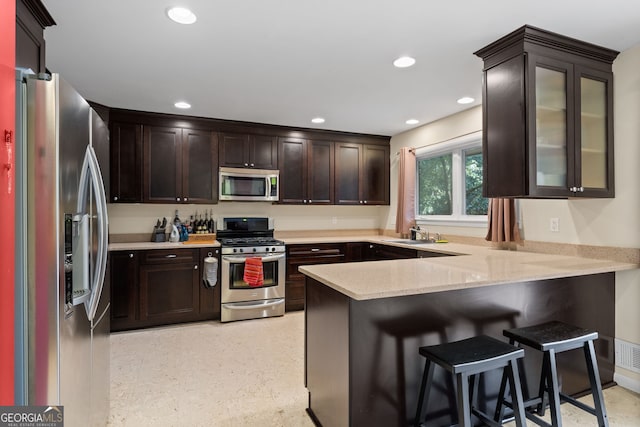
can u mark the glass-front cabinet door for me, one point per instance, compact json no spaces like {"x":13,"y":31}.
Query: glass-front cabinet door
{"x":572,"y":135}
{"x":551,"y":127}
{"x":594,"y":169}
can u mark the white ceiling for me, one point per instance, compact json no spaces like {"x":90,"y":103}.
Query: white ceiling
{"x":287,"y":61}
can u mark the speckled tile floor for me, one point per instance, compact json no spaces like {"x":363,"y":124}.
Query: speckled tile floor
{"x":242,"y":374}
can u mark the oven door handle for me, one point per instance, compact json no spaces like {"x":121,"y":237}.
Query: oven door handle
{"x":253,"y":304}
{"x":235,"y":259}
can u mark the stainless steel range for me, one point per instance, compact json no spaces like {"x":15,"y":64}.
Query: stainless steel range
{"x":252,"y":238}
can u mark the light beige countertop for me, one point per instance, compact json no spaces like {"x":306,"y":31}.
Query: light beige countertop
{"x":474,"y":266}
{"x":139,"y":246}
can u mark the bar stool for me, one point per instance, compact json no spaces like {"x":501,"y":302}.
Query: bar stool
{"x":465,"y":359}
{"x":552,"y":338}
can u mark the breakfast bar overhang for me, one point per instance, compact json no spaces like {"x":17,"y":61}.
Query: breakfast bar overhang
{"x":364,"y":323}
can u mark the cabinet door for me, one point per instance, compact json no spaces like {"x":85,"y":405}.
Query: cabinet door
{"x":594,"y":175}
{"x":263,"y":153}
{"x":209,"y":297}
{"x":199,"y":166}
{"x":234,"y":150}
{"x":169,"y":293}
{"x":375,"y":185}
{"x":293,"y":170}
{"x":552,"y":127}
{"x":162,"y":164}
{"x":348,"y":173}
{"x":123,"y":268}
{"x":320,"y":172}
{"x":126,"y":163}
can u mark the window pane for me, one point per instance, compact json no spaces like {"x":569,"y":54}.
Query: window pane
{"x":475,"y":204}
{"x":434,"y":186}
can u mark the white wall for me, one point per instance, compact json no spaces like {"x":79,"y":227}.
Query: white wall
{"x":600,"y":222}
{"x":140,"y":218}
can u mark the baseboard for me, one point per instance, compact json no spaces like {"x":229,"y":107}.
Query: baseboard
{"x":626,"y":382}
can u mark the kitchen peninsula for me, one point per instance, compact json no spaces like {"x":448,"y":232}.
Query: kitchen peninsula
{"x":365,"y":321}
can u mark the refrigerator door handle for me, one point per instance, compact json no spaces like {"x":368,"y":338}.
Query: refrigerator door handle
{"x":90,"y":166}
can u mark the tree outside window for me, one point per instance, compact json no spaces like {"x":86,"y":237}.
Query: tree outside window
{"x":449,"y":182}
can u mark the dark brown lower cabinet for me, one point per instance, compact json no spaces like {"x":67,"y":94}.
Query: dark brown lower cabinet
{"x":298,"y":255}
{"x":169,"y":286}
{"x":159,"y":287}
{"x":123,"y":266}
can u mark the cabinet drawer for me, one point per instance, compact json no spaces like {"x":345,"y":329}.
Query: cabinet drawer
{"x":173,"y":256}
{"x":315,"y":250}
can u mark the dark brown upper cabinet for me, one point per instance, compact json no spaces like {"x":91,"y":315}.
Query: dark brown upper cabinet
{"x":547,"y":116}
{"x":306,"y":171}
{"x":125,"y":146}
{"x":248,"y":151}
{"x":31,"y":20}
{"x":180,"y":165}
{"x":361,"y":174}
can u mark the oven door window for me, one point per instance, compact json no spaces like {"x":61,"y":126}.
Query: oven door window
{"x":236,"y":275}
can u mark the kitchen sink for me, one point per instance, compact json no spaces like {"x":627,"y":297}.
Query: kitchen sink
{"x":411,"y":242}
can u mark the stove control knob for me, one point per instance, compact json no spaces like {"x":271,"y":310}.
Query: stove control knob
{"x":254,"y":250}
{"x":235,"y":250}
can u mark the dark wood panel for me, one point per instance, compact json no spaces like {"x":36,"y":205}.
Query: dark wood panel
{"x":234,"y":150}
{"x":263,"y":152}
{"x":123,"y":268}
{"x":348,"y":174}
{"x":31,"y":20}
{"x":209,"y":297}
{"x":292,"y":155}
{"x":199,"y":166}
{"x":168,"y":293}
{"x":246,"y":128}
{"x":320,"y":172}
{"x":162,"y":164}
{"x":327,"y":359}
{"x":375,"y":168}
{"x":125,"y":176}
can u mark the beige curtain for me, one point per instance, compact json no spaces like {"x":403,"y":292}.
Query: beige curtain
{"x":502,"y":221}
{"x":406,"y":217}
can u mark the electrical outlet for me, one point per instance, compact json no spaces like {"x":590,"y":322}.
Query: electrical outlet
{"x":554,"y":225}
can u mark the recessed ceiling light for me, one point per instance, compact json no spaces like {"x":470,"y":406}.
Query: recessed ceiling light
{"x":181,"y":15}
{"x":317,"y":120}
{"x":404,"y":62}
{"x":412,"y":121}
{"x":182,"y":104}
{"x":465,"y":100}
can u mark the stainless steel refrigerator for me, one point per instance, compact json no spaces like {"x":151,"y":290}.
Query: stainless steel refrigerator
{"x":62,"y":303}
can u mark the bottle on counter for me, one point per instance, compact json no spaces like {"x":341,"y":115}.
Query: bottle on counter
{"x":176,"y":219}
{"x":211,"y":226}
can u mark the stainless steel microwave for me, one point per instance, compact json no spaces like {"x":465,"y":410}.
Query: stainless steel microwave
{"x":254,"y":185}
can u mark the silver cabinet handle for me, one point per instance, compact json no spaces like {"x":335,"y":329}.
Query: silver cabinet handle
{"x":252,"y":165}
{"x":177,"y":199}
{"x":171,"y":256}
{"x":246,"y":164}
{"x":315,"y":250}
{"x":185,"y":199}
{"x":195,"y":267}
{"x":309,"y":201}
{"x":582,"y":189}
{"x":115,"y":198}
{"x":365,"y":202}
{"x":130,"y":255}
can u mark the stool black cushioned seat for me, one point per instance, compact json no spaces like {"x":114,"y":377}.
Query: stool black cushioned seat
{"x":465,"y":359}
{"x":551,"y":338}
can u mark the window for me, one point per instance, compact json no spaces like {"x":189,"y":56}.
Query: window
{"x":449,"y":182}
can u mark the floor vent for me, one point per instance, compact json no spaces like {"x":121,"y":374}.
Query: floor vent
{"x":627,"y":355}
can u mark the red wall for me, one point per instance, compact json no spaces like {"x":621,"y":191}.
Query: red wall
{"x":7,"y":194}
